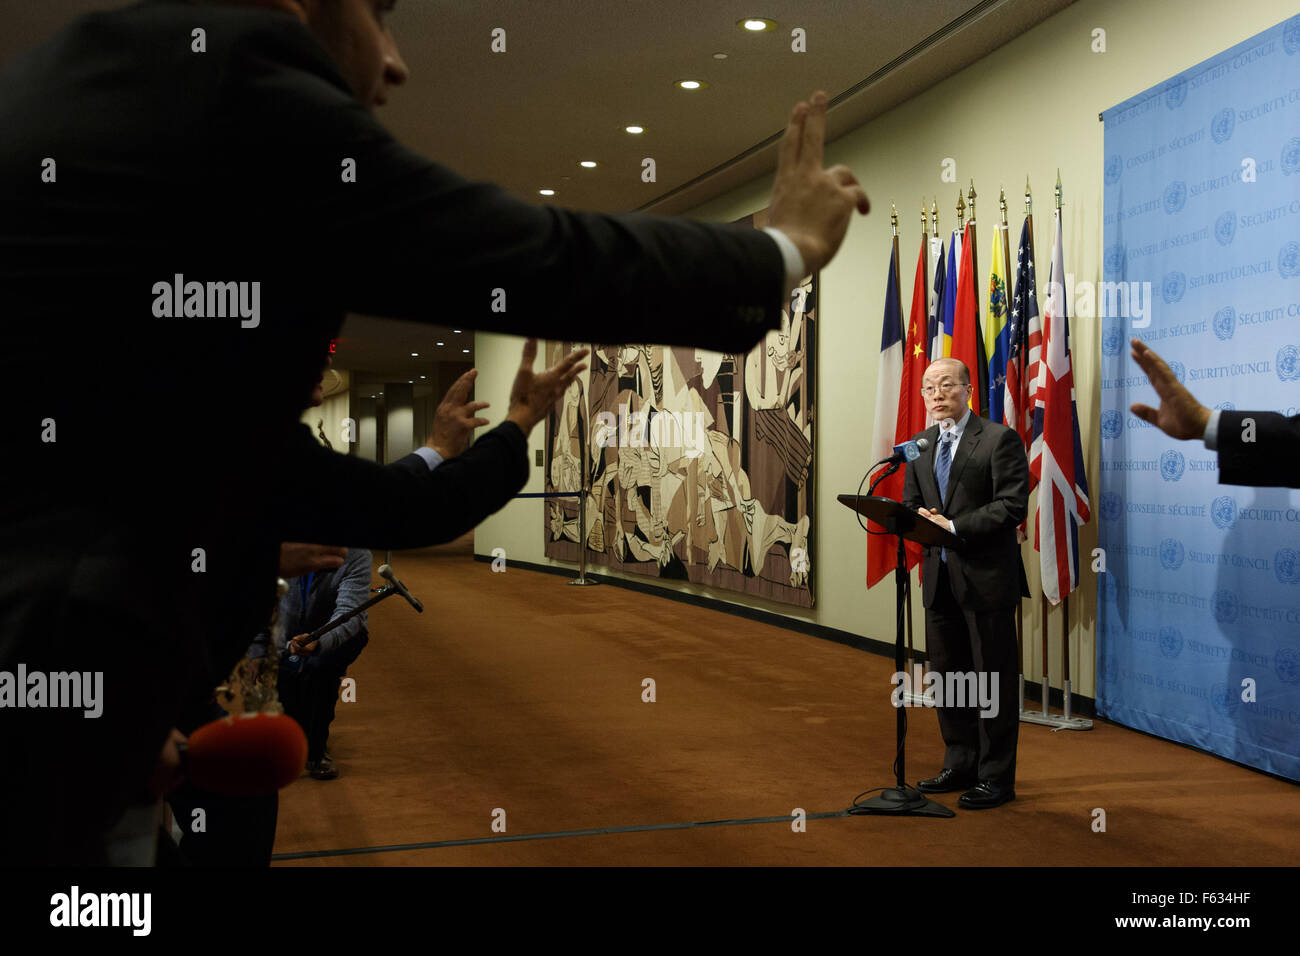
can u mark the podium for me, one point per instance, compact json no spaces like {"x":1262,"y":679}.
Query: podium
{"x":902,"y":800}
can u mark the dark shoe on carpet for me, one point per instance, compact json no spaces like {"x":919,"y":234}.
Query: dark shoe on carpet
{"x":322,"y":769}
{"x":946,"y":782}
{"x":985,"y":796}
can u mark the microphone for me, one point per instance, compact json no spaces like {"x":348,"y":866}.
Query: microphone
{"x":908,"y":450}
{"x":245,"y":755}
{"x":386,"y":573}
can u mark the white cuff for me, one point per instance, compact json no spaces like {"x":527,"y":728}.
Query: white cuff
{"x":1212,"y":431}
{"x":431,"y":457}
{"x":794,"y":268}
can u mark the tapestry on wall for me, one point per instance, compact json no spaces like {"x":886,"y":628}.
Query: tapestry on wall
{"x":699,"y":464}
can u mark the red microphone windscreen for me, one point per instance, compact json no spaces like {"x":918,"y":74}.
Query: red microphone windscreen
{"x":246,"y":754}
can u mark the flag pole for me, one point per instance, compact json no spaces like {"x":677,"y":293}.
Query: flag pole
{"x":1065,"y":599}
{"x":898,"y":281}
{"x":1042,"y":597}
{"x":1020,"y":609}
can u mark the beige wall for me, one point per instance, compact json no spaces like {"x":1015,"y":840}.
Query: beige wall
{"x":1026,"y":109}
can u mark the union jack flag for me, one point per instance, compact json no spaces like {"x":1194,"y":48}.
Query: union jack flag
{"x":1055,"y":453}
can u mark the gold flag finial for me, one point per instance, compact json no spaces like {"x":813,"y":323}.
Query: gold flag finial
{"x":1029,"y":199}
{"x":971,"y":196}
{"x":925,"y":219}
{"x":934,"y":216}
{"x":1058,"y":188}
{"x":1002,"y":203}
{"x":893,"y":217}
{"x":961,"y":210}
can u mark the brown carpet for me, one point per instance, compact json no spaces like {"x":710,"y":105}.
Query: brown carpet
{"x":516,"y":691}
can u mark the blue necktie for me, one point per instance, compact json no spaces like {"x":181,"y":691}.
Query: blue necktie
{"x":942,"y":466}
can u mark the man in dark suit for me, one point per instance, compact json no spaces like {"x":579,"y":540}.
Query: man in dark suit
{"x":973,"y":480}
{"x":1255,"y":448}
{"x":177,"y":203}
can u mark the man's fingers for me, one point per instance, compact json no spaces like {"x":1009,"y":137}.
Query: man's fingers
{"x":478,"y":422}
{"x":1144,"y":412}
{"x":788,"y":152}
{"x":814,"y":133}
{"x":473,"y":407}
{"x":530,"y":354}
{"x":860,"y":200}
{"x":459,"y":390}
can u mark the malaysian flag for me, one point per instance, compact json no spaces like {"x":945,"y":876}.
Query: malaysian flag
{"x":1055,"y":454}
{"x":1025,"y":336}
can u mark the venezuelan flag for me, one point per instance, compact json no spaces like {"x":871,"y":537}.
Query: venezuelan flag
{"x":997,"y":335}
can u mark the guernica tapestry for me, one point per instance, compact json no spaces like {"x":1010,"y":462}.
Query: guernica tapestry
{"x":697,"y":465}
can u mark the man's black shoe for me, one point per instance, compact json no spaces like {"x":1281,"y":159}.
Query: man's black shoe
{"x":985,"y":796}
{"x":945,"y":782}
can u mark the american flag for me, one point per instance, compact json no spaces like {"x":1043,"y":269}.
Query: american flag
{"x":1026,"y":341}
{"x":1055,"y":454}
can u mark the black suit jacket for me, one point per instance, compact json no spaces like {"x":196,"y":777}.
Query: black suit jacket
{"x":177,"y":463}
{"x":988,"y":496}
{"x":1268,"y":461}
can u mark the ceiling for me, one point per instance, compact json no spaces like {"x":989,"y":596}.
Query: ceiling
{"x":575,"y":72}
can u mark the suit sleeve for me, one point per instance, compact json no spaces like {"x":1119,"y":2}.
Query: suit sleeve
{"x":407,"y":238}
{"x":353,"y":591}
{"x":1269,"y":460}
{"x":326,"y":497}
{"x":1010,"y":501}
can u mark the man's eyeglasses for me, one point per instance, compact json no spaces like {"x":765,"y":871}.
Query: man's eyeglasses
{"x":929,"y":391}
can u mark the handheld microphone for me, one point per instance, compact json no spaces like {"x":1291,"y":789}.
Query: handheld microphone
{"x":245,"y":754}
{"x":386,"y":573}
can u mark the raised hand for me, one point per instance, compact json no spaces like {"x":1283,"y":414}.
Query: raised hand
{"x":533,"y":395}
{"x":454,"y":421}
{"x":810,"y":204}
{"x":1180,"y":415}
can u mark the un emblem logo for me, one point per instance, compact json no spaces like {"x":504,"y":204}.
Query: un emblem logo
{"x":1111,"y":340}
{"x":1178,"y":368}
{"x":1225,"y":606}
{"x":1175,"y":284}
{"x":1291,"y":35}
{"x":1171,"y":554}
{"x":1225,"y":227}
{"x":1288,"y":363}
{"x":1223,"y":512}
{"x":1290,"y":156}
{"x":1286,"y":664}
{"x":1176,"y":93}
{"x":1171,"y":641}
{"x":1114,"y":258}
{"x":1112,"y":506}
{"x":1284,"y":566}
{"x":1288,"y":260}
{"x":1222,"y":125}
{"x":1172,"y":465}
{"x":1223,"y":699}
{"x":1175,"y":196}
{"x":1225,"y":323}
{"x":1111,"y":424}
{"x":1114,"y":168}
{"x":1226,"y":406}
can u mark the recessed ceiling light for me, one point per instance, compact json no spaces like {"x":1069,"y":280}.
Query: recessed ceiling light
{"x":439,"y":343}
{"x":634,"y":129}
{"x":547,"y":192}
{"x":415,"y":355}
{"x":690,"y":84}
{"x":589,"y":163}
{"x":466,"y":351}
{"x":410,"y":381}
{"x":756,"y":24}
{"x":424,"y":376}
{"x":457,"y":331}
{"x":719,"y":56}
